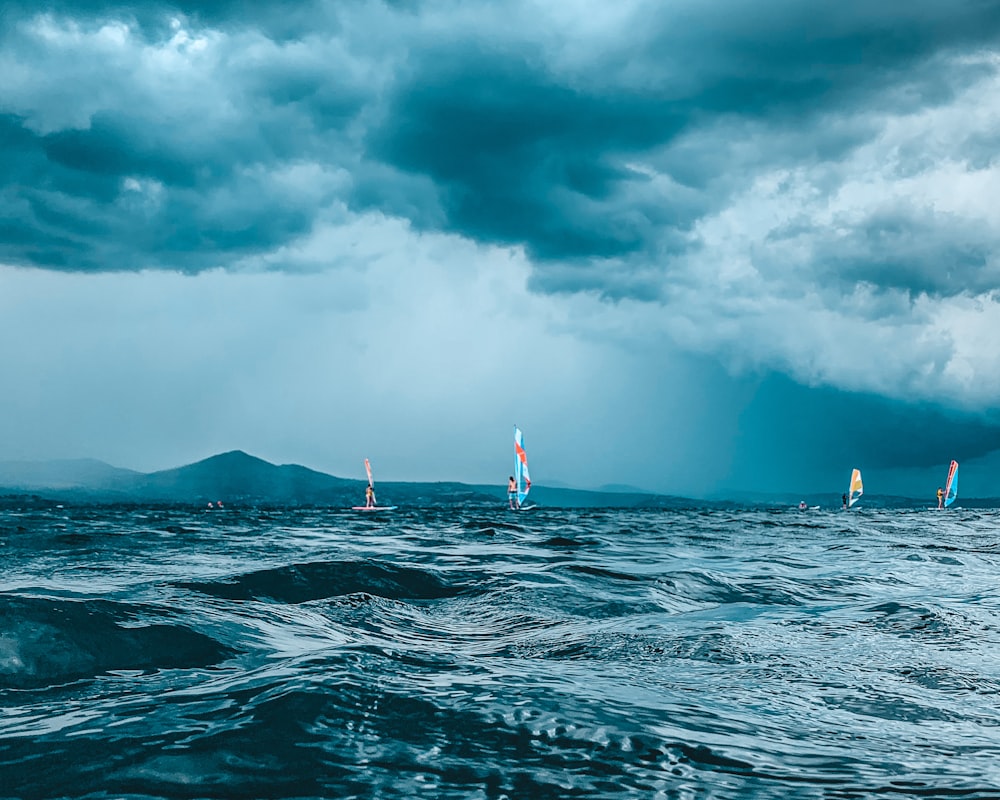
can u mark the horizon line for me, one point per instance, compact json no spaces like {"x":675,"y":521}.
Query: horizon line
{"x":725,"y":495}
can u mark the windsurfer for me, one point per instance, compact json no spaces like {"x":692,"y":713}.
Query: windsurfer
{"x":843,"y":499}
{"x":369,"y":497}
{"x":512,"y":493}
{"x":940,"y":497}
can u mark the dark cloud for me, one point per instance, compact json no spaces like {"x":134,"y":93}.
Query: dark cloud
{"x":789,"y":429}
{"x":785,"y":58}
{"x":521,"y":158}
{"x":599,"y":162}
{"x":528,"y":155}
{"x":115,"y":146}
{"x":916,"y":250}
{"x":81,"y":212}
{"x":144,"y":183}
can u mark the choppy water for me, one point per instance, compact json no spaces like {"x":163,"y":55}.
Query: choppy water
{"x":477,"y":653}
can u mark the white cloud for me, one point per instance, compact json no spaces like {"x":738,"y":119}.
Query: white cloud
{"x":758,"y":297}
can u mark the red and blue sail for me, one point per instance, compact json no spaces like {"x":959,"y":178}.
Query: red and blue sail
{"x":951,"y":487}
{"x":521,"y":475}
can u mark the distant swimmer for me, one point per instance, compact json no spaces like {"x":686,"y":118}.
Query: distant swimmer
{"x":940,"y":497}
{"x":370,"y":497}
{"x":512,"y":493}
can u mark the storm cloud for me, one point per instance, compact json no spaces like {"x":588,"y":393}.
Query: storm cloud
{"x":775,"y":188}
{"x":518,"y":124}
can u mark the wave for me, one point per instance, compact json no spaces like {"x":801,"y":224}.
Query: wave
{"x":47,"y":642}
{"x":317,"y":580}
{"x":307,"y":653}
{"x":930,"y":625}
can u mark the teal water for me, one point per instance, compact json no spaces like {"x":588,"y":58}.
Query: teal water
{"x":474,"y":652}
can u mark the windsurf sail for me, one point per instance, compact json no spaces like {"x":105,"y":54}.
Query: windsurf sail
{"x":370,"y":501}
{"x":951,"y":487}
{"x":521,"y":475}
{"x":857,"y":488}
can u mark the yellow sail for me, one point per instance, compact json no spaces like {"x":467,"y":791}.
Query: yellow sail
{"x":857,"y":488}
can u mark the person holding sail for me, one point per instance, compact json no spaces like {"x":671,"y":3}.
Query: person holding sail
{"x":940,"y":497}
{"x":370,"y":496}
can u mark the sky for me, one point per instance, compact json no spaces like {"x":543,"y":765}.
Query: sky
{"x":691,"y":247}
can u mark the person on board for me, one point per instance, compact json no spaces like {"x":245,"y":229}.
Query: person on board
{"x":843,"y":499}
{"x":802,"y":505}
{"x":369,"y":497}
{"x":512,"y":493}
{"x":940,"y":497}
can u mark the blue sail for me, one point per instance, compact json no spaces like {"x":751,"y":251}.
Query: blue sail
{"x":951,"y":488}
{"x":521,"y":467}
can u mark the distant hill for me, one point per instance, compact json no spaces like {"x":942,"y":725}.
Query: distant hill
{"x":233,"y":476}
{"x":621,"y":488}
{"x":237,"y":477}
{"x":73,"y":473}
{"x":240,"y":478}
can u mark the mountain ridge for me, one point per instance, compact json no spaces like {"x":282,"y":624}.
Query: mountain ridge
{"x":236,"y":476}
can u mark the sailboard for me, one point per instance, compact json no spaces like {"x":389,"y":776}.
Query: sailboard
{"x":521,"y":476}
{"x":857,"y":488}
{"x":371,"y":483}
{"x":951,"y":487}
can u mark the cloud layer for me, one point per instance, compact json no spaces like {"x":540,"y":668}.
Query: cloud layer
{"x":808,"y":191}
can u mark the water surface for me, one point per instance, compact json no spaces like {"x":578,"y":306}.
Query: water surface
{"x":475,"y":652}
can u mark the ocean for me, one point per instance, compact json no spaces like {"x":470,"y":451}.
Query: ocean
{"x":471,"y":652}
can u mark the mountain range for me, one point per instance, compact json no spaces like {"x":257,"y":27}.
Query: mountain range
{"x":239,"y":478}
{"x":242,"y":479}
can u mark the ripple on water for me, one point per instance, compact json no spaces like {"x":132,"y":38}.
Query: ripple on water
{"x":458,"y":653}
